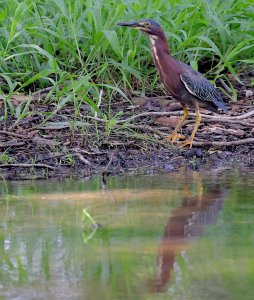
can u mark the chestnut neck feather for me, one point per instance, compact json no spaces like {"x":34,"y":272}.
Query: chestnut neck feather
{"x":167,"y":67}
{"x":161,"y":42}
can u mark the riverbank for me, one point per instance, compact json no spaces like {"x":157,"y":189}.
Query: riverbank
{"x":131,"y":140}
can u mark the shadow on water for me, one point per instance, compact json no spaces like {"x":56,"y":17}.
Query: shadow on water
{"x":185,"y":222}
{"x":174,"y":236}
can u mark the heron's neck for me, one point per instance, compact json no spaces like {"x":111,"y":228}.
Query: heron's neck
{"x":159,"y":44}
{"x":161,"y":53}
{"x":163,"y":61}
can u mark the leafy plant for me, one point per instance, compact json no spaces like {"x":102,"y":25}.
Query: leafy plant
{"x":90,"y":226}
{"x":77,"y":45}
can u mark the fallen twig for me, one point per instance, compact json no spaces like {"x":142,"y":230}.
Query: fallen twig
{"x":96,"y":119}
{"x":111,"y":156}
{"x":147,"y":128}
{"x":42,"y":91}
{"x":51,"y":156}
{"x":226,"y":87}
{"x":11,"y":144}
{"x":21,"y":136}
{"x":208,"y":118}
{"x":221,"y":144}
{"x":88,"y":152}
{"x":24,"y":121}
{"x":229,"y":121}
{"x":27,"y":166}
{"x":244,"y":116}
{"x":82,"y":159}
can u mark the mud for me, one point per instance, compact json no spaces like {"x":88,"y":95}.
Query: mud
{"x":31,"y":148}
{"x":120,"y":160}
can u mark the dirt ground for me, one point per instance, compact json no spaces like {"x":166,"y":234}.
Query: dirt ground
{"x":131,"y":142}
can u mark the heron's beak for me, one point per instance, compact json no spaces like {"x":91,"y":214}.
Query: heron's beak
{"x":133,"y":24}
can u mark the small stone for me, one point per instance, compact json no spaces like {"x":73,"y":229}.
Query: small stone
{"x":193,"y":152}
{"x":223,"y":154}
{"x":169,"y":167}
{"x":248,"y":93}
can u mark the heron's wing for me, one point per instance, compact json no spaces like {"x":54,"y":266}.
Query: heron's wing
{"x":201,"y":88}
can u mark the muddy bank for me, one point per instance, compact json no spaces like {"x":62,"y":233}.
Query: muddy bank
{"x":134,"y":162}
{"x":132,"y":140}
{"x":30,"y":160}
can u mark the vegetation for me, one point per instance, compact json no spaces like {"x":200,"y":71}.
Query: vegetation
{"x":76,"y":44}
{"x":68,"y":72}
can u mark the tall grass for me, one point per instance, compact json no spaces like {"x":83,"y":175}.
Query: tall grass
{"x":77,"y":44}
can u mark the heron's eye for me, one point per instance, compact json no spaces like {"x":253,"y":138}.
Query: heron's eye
{"x":145,"y":24}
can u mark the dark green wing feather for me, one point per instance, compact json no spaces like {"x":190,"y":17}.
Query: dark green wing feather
{"x":201,"y":88}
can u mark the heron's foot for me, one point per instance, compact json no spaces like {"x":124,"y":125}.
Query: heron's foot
{"x":186,"y":143}
{"x":174,"y":136}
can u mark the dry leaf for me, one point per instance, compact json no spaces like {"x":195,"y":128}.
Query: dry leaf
{"x":44,"y":142}
{"x":168,"y":121}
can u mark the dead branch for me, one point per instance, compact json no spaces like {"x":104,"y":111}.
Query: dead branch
{"x":88,"y":152}
{"x":209,"y":118}
{"x":222,"y":144}
{"x":20,"y":136}
{"x":148,"y":114}
{"x":96,"y":119}
{"x":244,"y":116}
{"x":11,"y":144}
{"x":226,"y":87}
{"x":51,"y":156}
{"x":229,"y":121}
{"x":27,"y":166}
{"x":111,"y":156}
{"x":24,"y":121}
{"x":147,"y":128}
{"x":42,"y":91}
{"x":82,"y":159}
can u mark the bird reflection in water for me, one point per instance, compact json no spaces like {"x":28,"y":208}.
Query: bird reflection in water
{"x":185,"y":222}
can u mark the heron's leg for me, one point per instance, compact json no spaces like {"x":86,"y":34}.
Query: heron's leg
{"x":190,"y":140}
{"x":174,"y":135}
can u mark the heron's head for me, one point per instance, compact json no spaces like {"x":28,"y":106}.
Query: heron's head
{"x":147,"y":26}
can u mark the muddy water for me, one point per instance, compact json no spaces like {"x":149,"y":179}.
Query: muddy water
{"x":177,"y":236}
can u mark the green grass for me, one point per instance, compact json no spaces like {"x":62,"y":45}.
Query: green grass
{"x":76,"y":44}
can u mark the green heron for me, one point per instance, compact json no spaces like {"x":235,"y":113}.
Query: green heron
{"x":185,"y":84}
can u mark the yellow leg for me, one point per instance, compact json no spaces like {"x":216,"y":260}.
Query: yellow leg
{"x":174,"y":135}
{"x":190,"y":140}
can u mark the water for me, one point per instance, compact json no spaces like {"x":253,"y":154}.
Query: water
{"x":173,"y":236}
